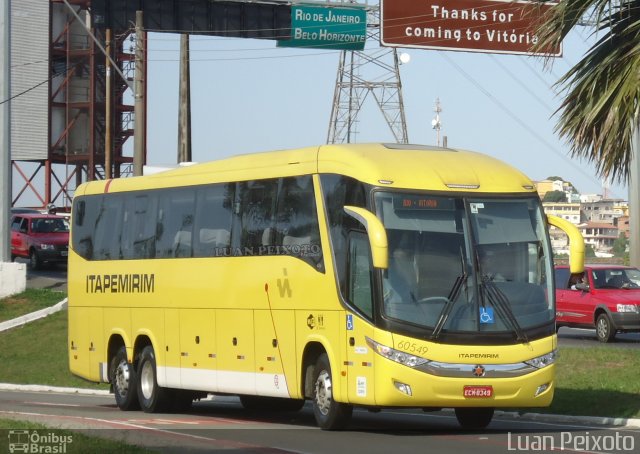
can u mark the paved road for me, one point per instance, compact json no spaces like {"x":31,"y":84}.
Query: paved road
{"x":573,"y":337}
{"x":221,"y":424}
{"x":50,"y":276}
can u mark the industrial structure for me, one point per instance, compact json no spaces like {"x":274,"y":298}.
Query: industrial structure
{"x":62,"y":78}
{"x":70,"y":76}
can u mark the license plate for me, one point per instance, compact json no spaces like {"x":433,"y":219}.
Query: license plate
{"x":477,"y":392}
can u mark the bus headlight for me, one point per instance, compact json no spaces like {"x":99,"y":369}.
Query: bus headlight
{"x":544,"y":360}
{"x":396,"y":355}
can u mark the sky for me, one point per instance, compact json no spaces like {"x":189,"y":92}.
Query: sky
{"x":248,"y":95}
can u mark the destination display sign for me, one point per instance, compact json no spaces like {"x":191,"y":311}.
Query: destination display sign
{"x":491,"y":26}
{"x":323,"y":27}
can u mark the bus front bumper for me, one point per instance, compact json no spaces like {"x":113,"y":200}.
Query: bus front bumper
{"x":402,"y":386}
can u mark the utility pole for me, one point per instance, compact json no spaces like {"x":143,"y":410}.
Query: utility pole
{"x":5,"y":132}
{"x":13,"y":276}
{"x":108,"y":147}
{"x":139,"y":135}
{"x":184,"y":110}
{"x":634,"y":199}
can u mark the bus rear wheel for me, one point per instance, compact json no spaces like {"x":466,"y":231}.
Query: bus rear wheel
{"x":123,"y":381}
{"x":474,"y":418}
{"x":152,"y":397}
{"x":329,"y":414}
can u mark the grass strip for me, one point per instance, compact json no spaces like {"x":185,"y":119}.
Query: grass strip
{"x":28,"y":301}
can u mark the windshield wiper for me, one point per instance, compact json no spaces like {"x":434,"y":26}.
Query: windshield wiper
{"x":502,"y":306}
{"x":451,"y":300}
{"x":498,"y":300}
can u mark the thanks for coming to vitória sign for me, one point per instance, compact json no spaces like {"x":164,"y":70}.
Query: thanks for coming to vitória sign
{"x":468,"y":25}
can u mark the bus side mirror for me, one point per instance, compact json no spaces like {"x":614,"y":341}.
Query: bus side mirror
{"x":576,"y":242}
{"x":376,"y":233}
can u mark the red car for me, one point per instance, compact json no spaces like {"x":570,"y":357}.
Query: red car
{"x":42,"y":238}
{"x":605,"y":297}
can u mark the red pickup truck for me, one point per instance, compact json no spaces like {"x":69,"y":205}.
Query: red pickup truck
{"x":604,"y":297}
{"x":42,"y":238}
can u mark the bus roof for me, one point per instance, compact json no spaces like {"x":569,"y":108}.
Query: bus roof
{"x":388,"y":165}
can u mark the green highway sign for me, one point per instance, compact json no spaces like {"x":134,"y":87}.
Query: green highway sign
{"x":326,"y":27}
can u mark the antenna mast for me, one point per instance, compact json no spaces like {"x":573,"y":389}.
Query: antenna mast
{"x":435,"y":123}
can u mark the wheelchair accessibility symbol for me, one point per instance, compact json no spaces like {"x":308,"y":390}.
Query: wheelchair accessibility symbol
{"x":486,"y":315}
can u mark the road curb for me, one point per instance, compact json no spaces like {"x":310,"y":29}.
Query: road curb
{"x":569,"y":419}
{"x":53,"y":389}
{"x":37,"y":315}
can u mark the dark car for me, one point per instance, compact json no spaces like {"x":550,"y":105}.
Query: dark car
{"x":604,"y":297}
{"x":42,"y":238}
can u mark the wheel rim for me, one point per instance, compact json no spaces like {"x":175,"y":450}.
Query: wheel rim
{"x":323,"y":392}
{"x":122,"y":378}
{"x":146,"y":380}
{"x":602,"y":328}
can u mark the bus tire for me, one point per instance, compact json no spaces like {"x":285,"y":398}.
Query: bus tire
{"x":329,"y":414}
{"x":123,"y":381}
{"x":474,"y":418}
{"x":152,"y":397}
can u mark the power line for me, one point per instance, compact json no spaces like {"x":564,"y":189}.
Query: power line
{"x":35,"y":86}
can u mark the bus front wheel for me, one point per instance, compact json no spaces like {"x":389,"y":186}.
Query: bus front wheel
{"x":123,"y":380}
{"x":474,"y":418}
{"x":329,"y":414}
{"x":152,"y":397}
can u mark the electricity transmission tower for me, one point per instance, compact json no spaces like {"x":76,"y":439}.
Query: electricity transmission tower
{"x":361,"y":74}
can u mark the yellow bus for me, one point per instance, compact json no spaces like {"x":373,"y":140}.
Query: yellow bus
{"x":367,"y":275}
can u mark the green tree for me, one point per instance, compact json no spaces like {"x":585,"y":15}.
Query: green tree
{"x":620,"y":245}
{"x":555,"y":196}
{"x":602,"y":91}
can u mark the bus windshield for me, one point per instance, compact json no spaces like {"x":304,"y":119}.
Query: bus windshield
{"x":466,"y":265}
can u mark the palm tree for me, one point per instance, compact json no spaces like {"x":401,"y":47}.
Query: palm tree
{"x":599,"y":112}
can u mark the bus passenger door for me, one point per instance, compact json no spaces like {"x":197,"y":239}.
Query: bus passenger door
{"x":360,"y":295}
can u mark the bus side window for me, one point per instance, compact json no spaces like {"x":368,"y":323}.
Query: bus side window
{"x":339,"y":191}
{"x":175,"y":223}
{"x":107,"y":225}
{"x":360,"y":273}
{"x":257,"y":208}
{"x":83,"y":234}
{"x":297,"y":221}
{"x":213,"y":221}
{"x":144,"y":226}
